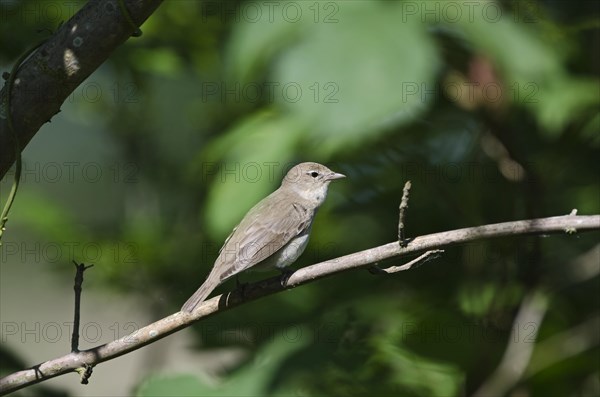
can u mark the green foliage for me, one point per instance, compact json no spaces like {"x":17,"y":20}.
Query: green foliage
{"x":532,"y":65}
{"x":185,"y":385}
{"x":200,"y":119}
{"x":263,"y":136}
{"x":255,"y":379}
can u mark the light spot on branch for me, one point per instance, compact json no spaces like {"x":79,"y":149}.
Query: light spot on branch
{"x":71,"y":62}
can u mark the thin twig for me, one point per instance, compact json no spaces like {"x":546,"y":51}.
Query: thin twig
{"x":80,"y":268}
{"x":403,"y":206}
{"x":15,"y":137}
{"x":421,"y":260}
{"x":178,"y":321}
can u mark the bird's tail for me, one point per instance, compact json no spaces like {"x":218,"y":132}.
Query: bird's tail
{"x":212,"y":281}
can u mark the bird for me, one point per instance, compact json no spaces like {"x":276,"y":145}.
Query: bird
{"x":275,"y":232}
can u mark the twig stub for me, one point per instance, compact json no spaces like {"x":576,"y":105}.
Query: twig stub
{"x":420,"y":260}
{"x":403,"y":206}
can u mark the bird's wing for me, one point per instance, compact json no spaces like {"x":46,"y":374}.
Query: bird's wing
{"x":264,"y":231}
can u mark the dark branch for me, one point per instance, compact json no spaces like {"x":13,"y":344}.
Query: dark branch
{"x":80,"y":268}
{"x":63,"y":62}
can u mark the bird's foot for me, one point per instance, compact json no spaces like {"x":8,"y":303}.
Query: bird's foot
{"x":285,"y":276}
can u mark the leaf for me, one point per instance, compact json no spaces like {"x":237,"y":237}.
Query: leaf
{"x":162,"y":61}
{"x":264,"y":29}
{"x":533,"y":70}
{"x":254,"y":379}
{"x":352,"y":79}
{"x":254,"y":157}
{"x":348,"y":70}
{"x":180,"y":385}
{"x":565,"y":100}
{"x":47,"y":217}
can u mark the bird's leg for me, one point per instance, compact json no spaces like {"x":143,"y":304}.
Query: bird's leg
{"x":285,"y":276}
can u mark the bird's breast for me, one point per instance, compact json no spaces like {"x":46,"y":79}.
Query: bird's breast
{"x":292,"y":250}
{"x":287,"y":255}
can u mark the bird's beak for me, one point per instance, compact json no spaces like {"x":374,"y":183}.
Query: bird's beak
{"x":335,"y":175}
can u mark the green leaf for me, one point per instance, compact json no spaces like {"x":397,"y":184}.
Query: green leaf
{"x":47,"y":217}
{"x":352,"y":79}
{"x":533,"y":72}
{"x":521,"y":55}
{"x":180,"y":385}
{"x":410,"y":370}
{"x":254,"y":379}
{"x":255,"y":156}
{"x":566,"y":100}
{"x":476,"y":299}
{"x":349,"y":70}
{"x":162,"y":61}
{"x":263,"y":31}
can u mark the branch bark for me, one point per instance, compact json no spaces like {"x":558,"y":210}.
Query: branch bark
{"x":177,"y":321}
{"x":63,"y":62}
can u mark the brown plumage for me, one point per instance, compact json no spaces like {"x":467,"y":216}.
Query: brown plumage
{"x":274,"y":233}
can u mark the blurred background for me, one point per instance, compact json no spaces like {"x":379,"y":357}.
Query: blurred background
{"x":490,"y":108}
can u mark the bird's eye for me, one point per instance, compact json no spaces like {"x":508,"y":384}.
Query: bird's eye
{"x":314,"y":174}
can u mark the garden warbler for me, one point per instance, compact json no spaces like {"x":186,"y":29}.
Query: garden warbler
{"x":274,"y":233}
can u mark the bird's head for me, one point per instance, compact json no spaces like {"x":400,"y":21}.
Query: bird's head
{"x":310,"y":181}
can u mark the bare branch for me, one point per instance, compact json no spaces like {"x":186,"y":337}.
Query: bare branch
{"x":519,"y":350}
{"x":564,"y":345}
{"x":524,"y":358}
{"x":177,"y":321}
